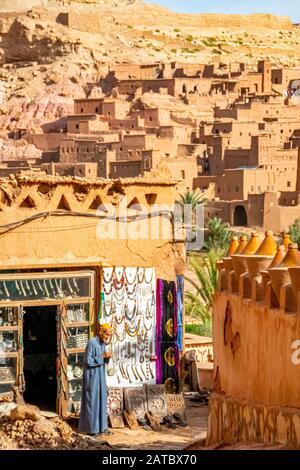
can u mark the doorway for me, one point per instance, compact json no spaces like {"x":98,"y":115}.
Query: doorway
{"x":40,"y":351}
{"x":240,"y":216}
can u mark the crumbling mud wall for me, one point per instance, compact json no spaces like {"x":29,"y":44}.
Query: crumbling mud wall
{"x":76,"y":238}
{"x":256,"y":377}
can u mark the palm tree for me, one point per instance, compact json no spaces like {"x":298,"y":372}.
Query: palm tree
{"x":294,"y":232}
{"x":200,"y":300}
{"x":192,"y":198}
{"x":219,"y":235}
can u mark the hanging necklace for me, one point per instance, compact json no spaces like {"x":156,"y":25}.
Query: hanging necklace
{"x":105,"y":271}
{"x":109,"y":291}
{"x":132,"y":331}
{"x":145,"y":277}
{"x":130,"y":282}
{"x":134,"y":291}
{"x":119,"y":296}
{"x":106,"y":313}
{"x":119,"y":276}
{"x":129,"y":315}
{"x":149,"y":312}
{"x":120,"y":337}
{"x":140,"y":274}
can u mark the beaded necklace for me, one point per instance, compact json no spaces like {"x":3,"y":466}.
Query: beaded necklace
{"x":110,"y":275}
{"x":132,"y":331}
{"x":131,"y":282}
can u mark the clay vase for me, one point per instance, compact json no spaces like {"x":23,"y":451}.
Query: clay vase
{"x":294,"y":273}
{"x":234,"y":245}
{"x":286,"y":241}
{"x":239,"y":260}
{"x":280,"y":275}
{"x":263,"y":257}
{"x":242,"y":245}
{"x":277,"y":260}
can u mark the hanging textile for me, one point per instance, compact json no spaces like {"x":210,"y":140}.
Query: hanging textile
{"x":180,"y":300}
{"x":129,"y":306}
{"x":167,"y":364}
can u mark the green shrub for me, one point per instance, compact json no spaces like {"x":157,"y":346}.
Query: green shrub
{"x":294,"y":232}
{"x":200,"y":330}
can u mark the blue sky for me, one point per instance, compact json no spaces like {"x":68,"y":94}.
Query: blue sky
{"x":279,"y":7}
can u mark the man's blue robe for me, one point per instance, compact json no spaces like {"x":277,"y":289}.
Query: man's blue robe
{"x":93,"y":413}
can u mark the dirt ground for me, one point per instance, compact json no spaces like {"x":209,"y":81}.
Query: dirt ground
{"x":167,"y":439}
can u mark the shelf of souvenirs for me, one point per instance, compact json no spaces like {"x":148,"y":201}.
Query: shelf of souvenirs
{"x":78,"y":324}
{"x":9,"y":328}
{"x":75,"y":350}
{"x":9,"y":354}
{"x":44,"y":302}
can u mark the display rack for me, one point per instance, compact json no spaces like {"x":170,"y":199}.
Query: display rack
{"x":73,"y":293}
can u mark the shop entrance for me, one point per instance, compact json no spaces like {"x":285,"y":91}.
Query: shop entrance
{"x":40,"y":351}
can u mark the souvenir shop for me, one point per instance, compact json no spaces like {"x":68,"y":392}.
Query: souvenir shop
{"x":47,"y":316}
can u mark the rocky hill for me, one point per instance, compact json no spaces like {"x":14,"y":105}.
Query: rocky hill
{"x":49,"y":50}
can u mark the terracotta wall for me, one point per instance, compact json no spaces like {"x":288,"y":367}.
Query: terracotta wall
{"x":71,"y":239}
{"x":253,"y":351}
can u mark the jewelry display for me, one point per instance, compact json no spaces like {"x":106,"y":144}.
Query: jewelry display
{"x":77,"y":290}
{"x":8,"y":316}
{"x":33,"y":288}
{"x":59,"y":294}
{"x":70,"y":288}
{"x":77,"y":313}
{"x":7,"y":374}
{"x":77,"y":338}
{"x":129,"y":305}
{"x":8,"y":342}
{"x":45,"y":288}
{"x":18,"y":288}
{"x":5,"y":290}
{"x":40,"y":286}
{"x":27,"y":287}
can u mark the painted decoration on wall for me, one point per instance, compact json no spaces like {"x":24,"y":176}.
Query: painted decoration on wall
{"x":115,"y":401}
{"x":167,"y":364}
{"x":157,"y":400}
{"x":115,"y":407}
{"x":136,"y":401}
{"x":129,"y":305}
{"x":176,"y":404}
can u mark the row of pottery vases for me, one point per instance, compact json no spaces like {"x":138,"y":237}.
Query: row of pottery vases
{"x":264,"y":259}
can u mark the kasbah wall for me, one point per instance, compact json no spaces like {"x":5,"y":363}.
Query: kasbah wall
{"x":69,"y":239}
{"x":256,"y":385}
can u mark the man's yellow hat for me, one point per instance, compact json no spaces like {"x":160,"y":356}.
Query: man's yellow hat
{"x":105,"y":327}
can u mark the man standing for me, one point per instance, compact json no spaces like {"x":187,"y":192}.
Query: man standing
{"x":93,"y":413}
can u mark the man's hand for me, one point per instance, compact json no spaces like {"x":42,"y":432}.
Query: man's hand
{"x":107,"y":355}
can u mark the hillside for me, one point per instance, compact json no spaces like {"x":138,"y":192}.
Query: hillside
{"x":49,"y":50}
